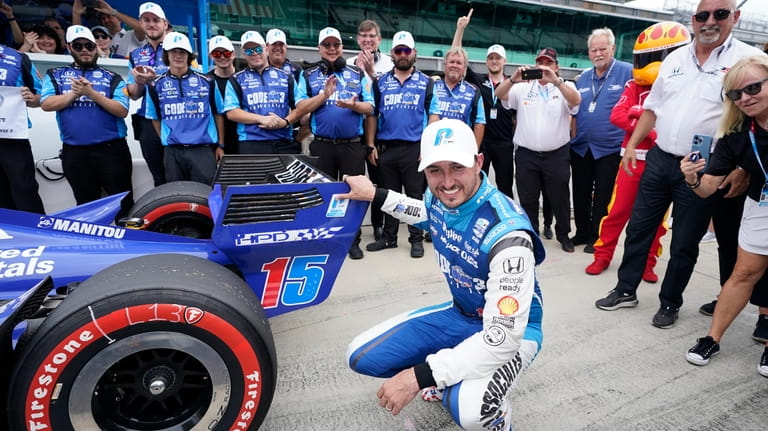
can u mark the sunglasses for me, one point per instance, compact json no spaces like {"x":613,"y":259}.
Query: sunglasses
{"x":402,"y":50}
{"x":89,"y":46}
{"x":328,"y":45}
{"x":220,"y":54}
{"x":750,"y":89}
{"x":258,"y":49}
{"x":719,"y":14}
{"x":101,"y":36}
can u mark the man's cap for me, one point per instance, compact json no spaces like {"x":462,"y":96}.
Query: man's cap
{"x":251,"y":36}
{"x":102,"y":29}
{"x":220,"y":42}
{"x":152,"y":8}
{"x":77,"y":32}
{"x":549,"y":53}
{"x":448,"y":140}
{"x":326,"y":33}
{"x":276,"y":35}
{"x":497,"y":49}
{"x":403,"y":38}
{"x":175,"y":40}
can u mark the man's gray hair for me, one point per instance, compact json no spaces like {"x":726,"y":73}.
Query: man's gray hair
{"x":458,"y":51}
{"x":604,"y":32}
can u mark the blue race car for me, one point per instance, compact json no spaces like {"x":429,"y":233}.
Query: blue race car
{"x":125,"y":327}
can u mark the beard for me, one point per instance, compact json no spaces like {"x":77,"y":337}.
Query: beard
{"x":87,"y":64}
{"x":404,"y":64}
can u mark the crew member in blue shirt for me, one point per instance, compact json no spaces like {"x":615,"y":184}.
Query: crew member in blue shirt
{"x":338,"y":96}
{"x":18,"y":187}
{"x":457,"y":98}
{"x":145,"y":64}
{"x":95,"y":157}
{"x":183,"y":109}
{"x":595,"y":150}
{"x":260,"y":99}
{"x":403,"y":100}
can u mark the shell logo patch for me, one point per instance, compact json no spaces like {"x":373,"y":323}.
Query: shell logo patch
{"x":507,"y":305}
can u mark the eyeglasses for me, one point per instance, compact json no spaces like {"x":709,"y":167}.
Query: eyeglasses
{"x":402,"y":50}
{"x":750,"y":89}
{"x":89,"y":46}
{"x":101,"y":36}
{"x":368,"y":35}
{"x":719,"y":14}
{"x":328,"y":45}
{"x":258,"y":49}
{"x":220,"y":54}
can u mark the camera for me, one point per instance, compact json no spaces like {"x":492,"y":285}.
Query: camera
{"x":91,"y":4}
{"x":530,"y":74}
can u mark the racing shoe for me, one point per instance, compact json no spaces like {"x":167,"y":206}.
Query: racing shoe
{"x":380,"y":244}
{"x":708,"y":309}
{"x":762,"y":367}
{"x":761,"y":329}
{"x":616,"y":300}
{"x":665,"y":318}
{"x":432,"y":394}
{"x":417,"y":249}
{"x":597,"y":267}
{"x":649,"y":276}
{"x":705,"y":348}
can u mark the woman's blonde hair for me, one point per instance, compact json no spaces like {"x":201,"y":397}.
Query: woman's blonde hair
{"x":733,"y":118}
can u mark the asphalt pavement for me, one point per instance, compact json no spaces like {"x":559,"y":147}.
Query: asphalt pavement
{"x":598,"y":370}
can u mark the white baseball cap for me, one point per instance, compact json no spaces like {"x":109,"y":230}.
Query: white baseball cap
{"x":251,"y":36}
{"x":77,"y":32}
{"x":220,"y":42}
{"x":174,"y":40}
{"x":275,"y":35}
{"x":403,"y":38}
{"x":328,"y":32}
{"x":152,"y":8}
{"x":497,"y":49}
{"x":448,"y":140}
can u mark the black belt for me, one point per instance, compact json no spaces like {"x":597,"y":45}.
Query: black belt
{"x":674,"y":156}
{"x":354,"y":140}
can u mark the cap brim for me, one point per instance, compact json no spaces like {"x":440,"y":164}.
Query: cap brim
{"x":447,"y":155}
{"x":547,"y":57}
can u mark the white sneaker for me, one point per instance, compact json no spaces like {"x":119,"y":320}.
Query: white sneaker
{"x":762,"y":368}
{"x":708,"y":237}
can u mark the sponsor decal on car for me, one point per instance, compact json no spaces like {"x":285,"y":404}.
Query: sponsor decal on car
{"x":15,"y":262}
{"x":84,"y":228}
{"x":310,"y":234}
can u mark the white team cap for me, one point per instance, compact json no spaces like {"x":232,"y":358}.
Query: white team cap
{"x":275,"y":35}
{"x":251,"y":36}
{"x":497,"y":49}
{"x":220,"y":42}
{"x":152,"y":8}
{"x":77,"y":32}
{"x":328,"y":32}
{"x":403,"y":38}
{"x":448,"y":140}
{"x":174,"y":40}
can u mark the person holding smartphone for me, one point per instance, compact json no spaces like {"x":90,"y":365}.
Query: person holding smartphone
{"x":744,"y":143}
{"x":544,"y":107}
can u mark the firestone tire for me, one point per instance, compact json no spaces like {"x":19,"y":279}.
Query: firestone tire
{"x":160,"y":342}
{"x":176,"y":208}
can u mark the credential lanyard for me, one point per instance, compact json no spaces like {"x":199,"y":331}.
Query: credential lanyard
{"x":754,"y":148}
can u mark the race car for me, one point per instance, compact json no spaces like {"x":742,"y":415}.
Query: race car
{"x":159,"y":322}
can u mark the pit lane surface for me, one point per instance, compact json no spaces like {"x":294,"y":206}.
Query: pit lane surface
{"x":598,"y":370}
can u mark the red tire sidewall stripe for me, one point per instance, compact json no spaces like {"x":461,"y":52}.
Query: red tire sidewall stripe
{"x":180,"y":207}
{"x":37,"y":402}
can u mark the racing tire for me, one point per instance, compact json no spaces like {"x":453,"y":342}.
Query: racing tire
{"x":176,"y":208}
{"x":158,"y":342}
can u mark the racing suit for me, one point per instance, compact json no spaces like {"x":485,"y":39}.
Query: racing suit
{"x":477,"y":345}
{"x":625,"y":115}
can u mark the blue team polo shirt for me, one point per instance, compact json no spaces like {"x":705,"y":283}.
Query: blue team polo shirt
{"x":329,"y":120}
{"x":403,"y":110}
{"x":101,"y":125}
{"x":463,"y":102}
{"x":594,"y":130}
{"x":271,"y":91}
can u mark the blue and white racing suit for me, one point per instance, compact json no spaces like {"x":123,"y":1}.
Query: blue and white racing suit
{"x":477,"y":345}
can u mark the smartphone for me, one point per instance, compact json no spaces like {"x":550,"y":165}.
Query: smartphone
{"x":91,"y":3}
{"x":530,"y":74}
{"x":700,"y":147}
